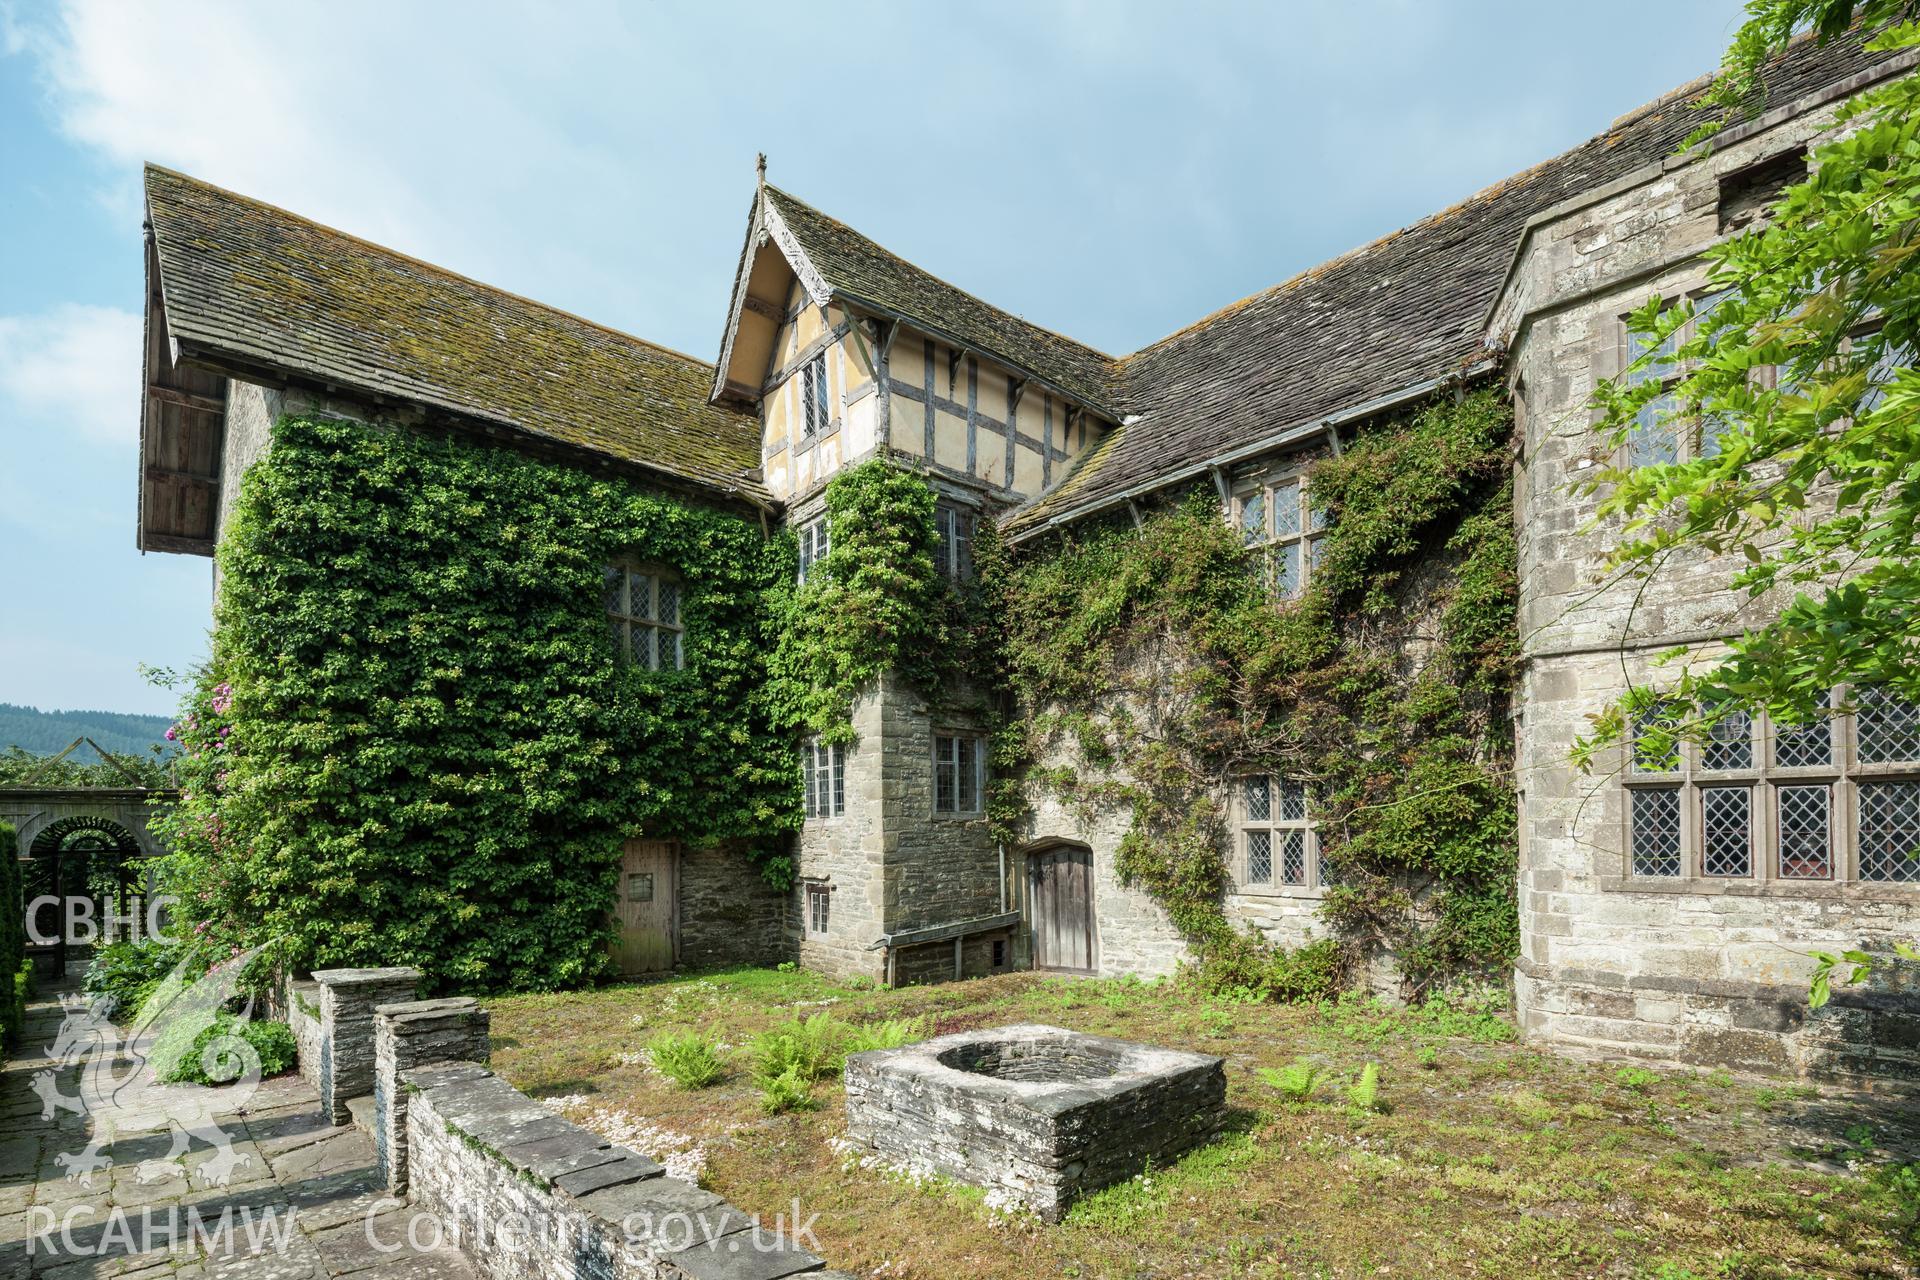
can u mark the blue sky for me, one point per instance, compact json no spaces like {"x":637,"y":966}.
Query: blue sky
{"x":1111,"y":169}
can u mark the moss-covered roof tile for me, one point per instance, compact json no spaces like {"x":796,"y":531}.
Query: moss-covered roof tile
{"x":256,"y":287}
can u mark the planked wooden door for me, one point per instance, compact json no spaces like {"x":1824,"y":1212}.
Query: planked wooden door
{"x":645,"y":906}
{"x":1060,"y":894}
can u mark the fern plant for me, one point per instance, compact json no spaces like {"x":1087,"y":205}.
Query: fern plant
{"x":1363,"y":1095}
{"x":1296,"y":1081}
{"x":890,"y":1034}
{"x":787,"y":1091}
{"x":687,"y":1058}
{"x":807,"y":1048}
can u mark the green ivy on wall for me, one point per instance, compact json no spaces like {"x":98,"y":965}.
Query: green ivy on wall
{"x":877,"y":604}
{"x":1152,"y":658}
{"x":414,"y":743}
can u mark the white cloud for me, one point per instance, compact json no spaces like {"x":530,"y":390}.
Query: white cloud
{"x":75,"y":368}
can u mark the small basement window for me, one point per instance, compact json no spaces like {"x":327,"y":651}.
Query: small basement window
{"x":1746,"y":194}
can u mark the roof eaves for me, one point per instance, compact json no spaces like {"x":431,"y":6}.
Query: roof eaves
{"x":1293,"y":433}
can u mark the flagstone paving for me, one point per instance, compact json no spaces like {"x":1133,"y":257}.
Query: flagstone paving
{"x":300,"y":1198}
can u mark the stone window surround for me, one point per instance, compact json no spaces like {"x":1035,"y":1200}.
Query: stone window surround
{"x":623,"y":619}
{"x":1314,"y":886}
{"x":1616,"y":355}
{"x":1290,"y":470}
{"x":825,"y":766}
{"x":816,"y":907}
{"x":979,"y":808}
{"x":1688,"y":441}
{"x":1615,"y":859}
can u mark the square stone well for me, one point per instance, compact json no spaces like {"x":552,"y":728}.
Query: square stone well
{"x":1040,"y":1112}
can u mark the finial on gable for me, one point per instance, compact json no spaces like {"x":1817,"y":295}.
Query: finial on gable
{"x":760,"y":167}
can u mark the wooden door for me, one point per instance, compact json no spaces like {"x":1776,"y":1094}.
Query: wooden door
{"x":1060,"y":896}
{"x":645,"y":906}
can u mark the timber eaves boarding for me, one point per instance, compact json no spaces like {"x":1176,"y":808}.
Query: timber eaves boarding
{"x":246,"y":288}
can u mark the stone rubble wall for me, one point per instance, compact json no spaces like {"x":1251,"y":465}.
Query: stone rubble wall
{"x":846,"y":854}
{"x":527,"y":1194}
{"x":303,"y":1019}
{"x":728,"y":914}
{"x":419,"y":1033}
{"x":348,"y":998}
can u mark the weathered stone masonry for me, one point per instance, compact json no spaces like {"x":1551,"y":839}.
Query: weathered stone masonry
{"x":1695,"y":970}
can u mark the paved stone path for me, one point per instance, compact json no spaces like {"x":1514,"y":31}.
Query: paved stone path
{"x":308,"y":1190}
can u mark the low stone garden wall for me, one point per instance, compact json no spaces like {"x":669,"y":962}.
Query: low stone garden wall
{"x":522,"y":1191}
{"x":529,"y":1194}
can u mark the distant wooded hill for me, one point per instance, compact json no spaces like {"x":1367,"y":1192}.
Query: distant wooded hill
{"x":45,"y":732}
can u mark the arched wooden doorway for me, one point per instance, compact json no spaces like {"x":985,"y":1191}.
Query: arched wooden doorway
{"x":1060,"y":907}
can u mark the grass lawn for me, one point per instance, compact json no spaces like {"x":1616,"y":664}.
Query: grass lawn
{"x":1488,"y":1159}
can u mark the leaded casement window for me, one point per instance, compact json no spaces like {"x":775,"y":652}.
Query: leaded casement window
{"x":1835,"y":800}
{"x":819,"y":902}
{"x":953,"y":555}
{"x":816,"y":406}
{"x":1284,"y":529}
{"x":959,"y":773}
{"x":1657,"y":435}
{"x":1277,"y":847}
{"x":643,"y":612}
{"x":813,"y":545}
{"x":825,"y":765}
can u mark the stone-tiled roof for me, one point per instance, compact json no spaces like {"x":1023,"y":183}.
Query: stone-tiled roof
{"x":861,"y":270}
{"x":252,"y":288}
{"x":1405,"y":309}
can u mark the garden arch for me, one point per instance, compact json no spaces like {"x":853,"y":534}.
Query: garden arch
{"x":91,"y":842}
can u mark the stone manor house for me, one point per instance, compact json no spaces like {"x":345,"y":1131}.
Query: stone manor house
{"x":1665,"y":915}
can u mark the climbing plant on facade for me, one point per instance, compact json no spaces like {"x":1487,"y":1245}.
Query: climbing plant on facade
{"x":1152,"y":662}
{"x":877,"y":603}
{"x":415,"y":742}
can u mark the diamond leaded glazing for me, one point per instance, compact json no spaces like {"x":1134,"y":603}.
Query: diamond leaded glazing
{"x":1806,"y":845}
{"x":1888,"y":728}
{"x":1259,"y":857}
{"x":1803,"y":746}
{"x":1656,"y":831}
{"x":1293,"y":857}
{"x":1729,"y":743}
{"x":1726,"y":831}
{"x":1890,"y":831}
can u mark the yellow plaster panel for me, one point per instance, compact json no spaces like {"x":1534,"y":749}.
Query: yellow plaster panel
{"x":907,"y":426}
{"x":993,"y":393}
{"x":859,"y":427}
{"x":808,"y":326}
{"x":950,"y":441}
{"x":990,"y":462}
{"x":1026,"y":470}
